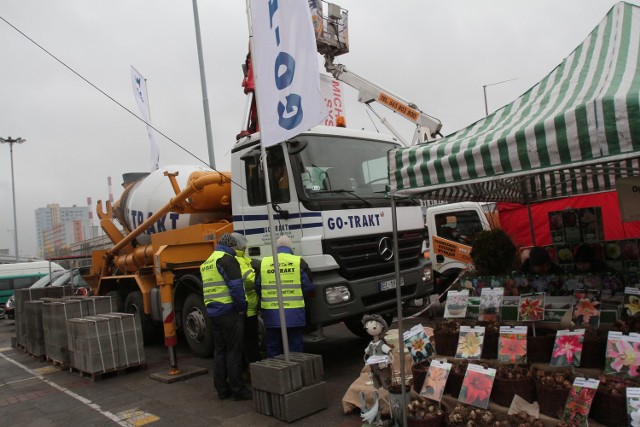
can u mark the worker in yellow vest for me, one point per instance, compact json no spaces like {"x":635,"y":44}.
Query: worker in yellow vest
{"x":295,"y":278}
{"x":226,"y":305}
{"x":248,"y":269}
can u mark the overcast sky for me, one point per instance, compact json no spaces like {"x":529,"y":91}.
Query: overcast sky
{"x":437,"y":54}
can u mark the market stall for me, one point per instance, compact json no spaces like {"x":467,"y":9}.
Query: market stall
{"x":575,"y":132}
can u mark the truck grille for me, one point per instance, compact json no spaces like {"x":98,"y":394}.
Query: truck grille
{"x":359,"y":257}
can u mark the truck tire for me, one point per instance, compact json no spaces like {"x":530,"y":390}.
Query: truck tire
{"x":133,"y":304}
{"x":197,"y":326}
{"x":116,"y":300}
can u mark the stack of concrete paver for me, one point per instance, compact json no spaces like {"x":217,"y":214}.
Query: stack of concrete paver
{"x":31,"y":294}
{"x":105,"y":343}
{"x":289,"y":390}
{"x":34,"y":331}
{"x":55,"y":315}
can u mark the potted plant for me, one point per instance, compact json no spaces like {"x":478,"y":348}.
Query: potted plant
{"x":446,"y":337}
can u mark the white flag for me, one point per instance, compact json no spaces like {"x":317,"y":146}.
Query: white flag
{"x":140,"y":92}
{"x":285,"y":67}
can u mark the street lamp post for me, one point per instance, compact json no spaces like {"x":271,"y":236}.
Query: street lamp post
{"x":13,"y":190}
{"x":484,"y":88}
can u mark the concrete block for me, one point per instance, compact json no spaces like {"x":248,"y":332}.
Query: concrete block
{"x":310,"y":364}
{"x":276,"y":376}
{"x":304,"y":402}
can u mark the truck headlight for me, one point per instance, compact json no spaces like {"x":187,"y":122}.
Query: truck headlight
{"x":427,"y":274}
{"x":337,"y":294}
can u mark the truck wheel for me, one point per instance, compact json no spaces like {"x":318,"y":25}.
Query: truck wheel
{"x":117,"y":301}
{"x":354,"y":325}
{"x":197,"y":326}
{"x":133,"y":304}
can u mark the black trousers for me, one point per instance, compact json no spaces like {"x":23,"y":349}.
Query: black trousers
{"x":251,"y":340}
{"x":227,"y":357}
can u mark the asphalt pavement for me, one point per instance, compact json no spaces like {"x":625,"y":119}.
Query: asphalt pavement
{"x":37,"y":393}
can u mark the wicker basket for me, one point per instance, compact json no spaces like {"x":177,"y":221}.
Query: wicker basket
{"x":504,"y":389}
{"x":593,"y":352}
{"x":436,"y":421}
{"x":609,"y":409}
{"x":540,"y":347}
{"x":419,"y":373}
{"x":551,"y":400}
{"x":446,"y":344}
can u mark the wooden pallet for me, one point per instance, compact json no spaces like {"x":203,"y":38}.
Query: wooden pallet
{"x":99,"y":376}
{"x":61,"y":365}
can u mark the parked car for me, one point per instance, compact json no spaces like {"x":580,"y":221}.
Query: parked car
{"x":57,"y":278}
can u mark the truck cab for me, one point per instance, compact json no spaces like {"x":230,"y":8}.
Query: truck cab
{"x":328,"y":191}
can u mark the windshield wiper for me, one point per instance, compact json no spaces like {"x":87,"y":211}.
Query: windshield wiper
{"x":351,"y":192}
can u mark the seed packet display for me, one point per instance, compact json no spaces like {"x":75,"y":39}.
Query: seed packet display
{"x":586,"y":308}
{"x":576,"y":410}
{"x":531,"y":307}
{"x":477,"y":385}
{"x":470,"y":342}
{"x":418,"y":343}
{"x":436,"y":379}
{"x":622,"y":357}
{"x":456,"y":304}
{"x":490,"y":303}
{"x":512,"y":346}
{"x":567,"y":348}
{"x":631,"y":304}
{"x":633,"y":406}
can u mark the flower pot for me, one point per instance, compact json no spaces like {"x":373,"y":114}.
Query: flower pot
{"x":609,"y":406}
{"x":446,"y":335}
{"x":397,"y":404}
{"x":419,"y":373}
{"x":594,"y":349}
{"x":540,"y":347}
{"x":552,"y":390}
{"x":456,"y":376}
{"x":491,"y":337}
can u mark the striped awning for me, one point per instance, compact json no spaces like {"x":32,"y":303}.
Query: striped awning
{"x":575,"y":132}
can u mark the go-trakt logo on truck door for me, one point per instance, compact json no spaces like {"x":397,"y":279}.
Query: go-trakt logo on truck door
{"x":341,"y":221}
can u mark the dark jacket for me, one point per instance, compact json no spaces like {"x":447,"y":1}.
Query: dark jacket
{"x":229,"y":268}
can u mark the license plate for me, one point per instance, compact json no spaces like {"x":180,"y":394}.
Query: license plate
{"x":389,"y":284}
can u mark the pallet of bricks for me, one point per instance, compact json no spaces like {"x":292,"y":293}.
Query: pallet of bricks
{"x":289,"y":390}
{"x":105,"y":343}
{"x":28,"y":313}
{"x":56,"y":314}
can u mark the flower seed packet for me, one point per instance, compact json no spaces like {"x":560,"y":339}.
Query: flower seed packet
{"x":418,"y":343}
{"x":512,"y":346}
{"x":470,"y":342}
{"x":531,"y":307}
{"x":622,"y":357}
{"x":586,"y":308}
{"x":490,"y":303}
{"x":435,"y":381}
{"x":567,"y":349}
{"x":633,"y":406}
{"x":456,"y":304}
{"x":477,"y":385}
{"x":576,"y":410}
{"x":631,"y":301}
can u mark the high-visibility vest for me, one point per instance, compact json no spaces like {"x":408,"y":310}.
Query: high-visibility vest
{"x":290,"y":282}
{"x":214,"y":288}
{"x":248,"y":282}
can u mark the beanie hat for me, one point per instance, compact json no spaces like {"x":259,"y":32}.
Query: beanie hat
{"x":240,"y":240}
{"x":538,"y":256}
{"x":284,"y":241}
{"x":227,"y":240}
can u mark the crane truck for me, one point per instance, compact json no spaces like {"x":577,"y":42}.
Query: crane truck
{"x":328,"y":193}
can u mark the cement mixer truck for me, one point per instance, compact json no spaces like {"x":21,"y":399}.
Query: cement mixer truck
{"x":328,"y":193}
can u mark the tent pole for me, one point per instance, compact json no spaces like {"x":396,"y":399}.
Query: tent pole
{"x":396,"y":265}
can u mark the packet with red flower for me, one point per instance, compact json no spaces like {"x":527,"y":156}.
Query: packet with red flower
{"x":576,"y":410}
{"x":531,"y":307}
{"x":470,"y":342}
{"x":622,"y":357}
{"x":477,"y":385}
{"x":586,"y":308}
{"x":436,"y":379}
{"x":567,"y":349}
{"x":512,"y":347}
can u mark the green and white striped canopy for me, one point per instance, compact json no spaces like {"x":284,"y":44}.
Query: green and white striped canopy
{"x":575,"y":132}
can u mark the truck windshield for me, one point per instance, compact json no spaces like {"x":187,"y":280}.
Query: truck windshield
{"x":343,"y":168}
